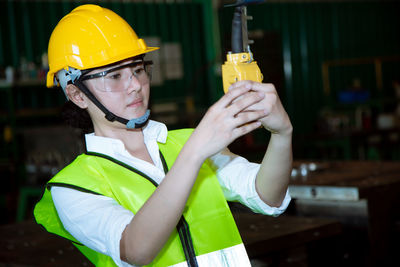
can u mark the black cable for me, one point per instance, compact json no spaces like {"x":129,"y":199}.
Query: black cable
{"x":237,"y":36}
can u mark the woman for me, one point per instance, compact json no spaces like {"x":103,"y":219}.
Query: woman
{"x":142,"y":195}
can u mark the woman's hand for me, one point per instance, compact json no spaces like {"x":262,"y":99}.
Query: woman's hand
{"x":225,"y":121}
{"x":273,"y":176}
{"x":275,"y":119}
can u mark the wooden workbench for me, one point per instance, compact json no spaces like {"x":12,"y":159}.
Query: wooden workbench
{"x":263,"y":234}
{"x":27,"y":244}
{"x":346,"y":189}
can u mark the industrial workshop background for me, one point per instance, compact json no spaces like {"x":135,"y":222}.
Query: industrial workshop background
{"x":316,"y":53}
{"x":336,"y":67}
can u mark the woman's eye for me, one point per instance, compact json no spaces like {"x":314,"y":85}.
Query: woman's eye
{"x":139,"y":71}
{"x":114,"y":76}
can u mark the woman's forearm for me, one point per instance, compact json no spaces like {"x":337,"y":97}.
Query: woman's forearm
{"x":273,"y":177}
{"x":152,"y":225}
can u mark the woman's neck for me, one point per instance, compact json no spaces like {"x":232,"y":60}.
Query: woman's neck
{"x":133,"y":140}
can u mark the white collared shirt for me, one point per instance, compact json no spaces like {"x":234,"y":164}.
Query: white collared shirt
{"x":81,"y":213}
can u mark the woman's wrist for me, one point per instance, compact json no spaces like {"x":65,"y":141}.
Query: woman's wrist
{"x":284,"y":133}
{"x":191,"y":153}
{"x":284,"y":137}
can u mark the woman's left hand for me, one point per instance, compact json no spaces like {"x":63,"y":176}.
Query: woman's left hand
{"x":276,"y":119}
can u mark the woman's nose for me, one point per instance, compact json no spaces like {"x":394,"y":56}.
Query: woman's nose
{"x":134,"y":84}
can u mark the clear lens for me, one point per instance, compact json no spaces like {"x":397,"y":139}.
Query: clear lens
{"x":119,"y":78}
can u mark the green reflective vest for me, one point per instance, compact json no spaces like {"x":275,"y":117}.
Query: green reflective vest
{"x":211,"y":224}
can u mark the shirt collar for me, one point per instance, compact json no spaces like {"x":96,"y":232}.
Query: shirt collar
{"x":156,"y":130}
{"x":106,"y":145}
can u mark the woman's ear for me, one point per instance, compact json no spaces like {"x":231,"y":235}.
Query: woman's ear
{"x":76,"y":96}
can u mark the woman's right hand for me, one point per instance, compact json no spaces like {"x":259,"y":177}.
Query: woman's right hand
{"x":224,"y":121}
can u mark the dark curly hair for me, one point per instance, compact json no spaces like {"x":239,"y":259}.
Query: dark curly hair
{"x":76,"y":117}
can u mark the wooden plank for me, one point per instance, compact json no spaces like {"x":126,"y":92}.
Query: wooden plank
{"x":27,"y":244}
{"x":265,"y":234}
{"x":349,"y":173}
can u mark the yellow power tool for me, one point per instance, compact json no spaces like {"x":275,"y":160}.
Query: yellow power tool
{"x":240,"y":64}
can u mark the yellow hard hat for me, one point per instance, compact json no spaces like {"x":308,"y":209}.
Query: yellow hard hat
{"x":89,"y":37}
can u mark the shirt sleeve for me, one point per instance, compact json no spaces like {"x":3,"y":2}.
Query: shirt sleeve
{"x":237,"y":177}
{"x":95,"y":221}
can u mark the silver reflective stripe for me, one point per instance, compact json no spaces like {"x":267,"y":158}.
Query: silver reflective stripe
{"x":235,"y":256}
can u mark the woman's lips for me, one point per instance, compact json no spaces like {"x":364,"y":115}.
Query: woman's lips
{"x":136,"y":103}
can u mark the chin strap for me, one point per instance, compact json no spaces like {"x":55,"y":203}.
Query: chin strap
{"x":136,"y":123}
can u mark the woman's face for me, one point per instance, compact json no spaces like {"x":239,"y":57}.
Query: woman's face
{"x":123,"y":89}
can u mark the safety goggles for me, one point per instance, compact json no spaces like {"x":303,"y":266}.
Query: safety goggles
{"x":119,"y":78}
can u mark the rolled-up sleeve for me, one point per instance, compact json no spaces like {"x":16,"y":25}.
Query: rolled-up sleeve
{"x":237,"y":177}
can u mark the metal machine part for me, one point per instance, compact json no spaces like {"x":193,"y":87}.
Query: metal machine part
{"x":350,"y":213}
{"x":240,"y":64}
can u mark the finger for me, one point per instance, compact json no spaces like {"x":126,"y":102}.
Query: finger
{"x":269,"y":102}
{"x":246,"y":83}
{"x":266,"y":107}
{"x":263,"y":87}
{"x":249,"y":85}
{"x":249,"y":116}
{"x":245,"y":102}
{"x":245,"y":129}
{"x":231,"y":95}
{"x":255,"y":86}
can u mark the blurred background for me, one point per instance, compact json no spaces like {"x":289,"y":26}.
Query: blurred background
{"x":336,"y":67}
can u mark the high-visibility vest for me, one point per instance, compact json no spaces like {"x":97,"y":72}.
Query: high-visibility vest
{"x":206,"y":225}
